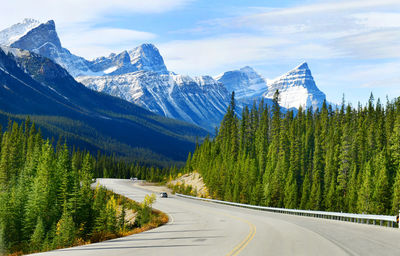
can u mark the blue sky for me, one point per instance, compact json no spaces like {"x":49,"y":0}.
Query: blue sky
{"x":352,"y":47}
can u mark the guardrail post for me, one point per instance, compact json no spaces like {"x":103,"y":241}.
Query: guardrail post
{"x":381,"y":223}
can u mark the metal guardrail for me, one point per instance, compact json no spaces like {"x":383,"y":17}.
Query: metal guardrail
{"x":351,"y":217}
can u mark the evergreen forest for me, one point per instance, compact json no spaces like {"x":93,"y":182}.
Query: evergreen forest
{"x":334,"y":159}
{"x":46,"y":196}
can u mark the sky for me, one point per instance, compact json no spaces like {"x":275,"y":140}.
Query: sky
{"x":351,"y":46}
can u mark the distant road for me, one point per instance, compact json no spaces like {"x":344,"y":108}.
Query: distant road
{"x":203,"y":228}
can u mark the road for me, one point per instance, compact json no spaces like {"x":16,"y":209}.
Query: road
{"x":204,"y":228}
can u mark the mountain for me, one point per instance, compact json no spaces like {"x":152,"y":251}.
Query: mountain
{"x":200,"y":100}
{"x":141,"y":76}
{"x":35,"y":86}
{"x":42,"y":38}
{"x":296,"y":88}
{"x":246,"y":83}
{"x":145,"y":57}
{"x":138,"y":75}
{"x":16,"y":31}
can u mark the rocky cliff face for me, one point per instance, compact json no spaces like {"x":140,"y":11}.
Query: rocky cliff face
{"x":199,"y":100}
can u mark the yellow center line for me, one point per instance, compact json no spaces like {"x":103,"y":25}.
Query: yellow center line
{"x":235,"y":251}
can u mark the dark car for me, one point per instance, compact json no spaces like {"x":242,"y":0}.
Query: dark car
{"x":163,"y":194}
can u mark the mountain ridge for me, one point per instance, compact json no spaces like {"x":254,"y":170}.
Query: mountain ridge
{"x":35,"y":86}
{"x":140,"y":76}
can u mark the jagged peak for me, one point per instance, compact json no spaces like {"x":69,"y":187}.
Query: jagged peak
{"x":303,"y":65}
{"x":38,"y":36}
{"x":31,"y":21}
{"x":51,"y":23}
{"x":16,"y":31}
{"x":145,"y":48}
{"x":248,"y":69}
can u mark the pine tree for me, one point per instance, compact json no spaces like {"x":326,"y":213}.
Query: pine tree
{"x":396,"y":193}
{"x":65,"y":231}
{"x":365,"y":200}
{"x":37,"y":236}
{"x":381,"y":194}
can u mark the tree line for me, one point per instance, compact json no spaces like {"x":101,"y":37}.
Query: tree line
{"x":46,"y":198}
{"x":343,"y":159}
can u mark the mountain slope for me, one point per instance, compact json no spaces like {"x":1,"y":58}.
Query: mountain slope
{"x":297,"y":88}
{"x":201,"y":100}
{"x":51,"y":96}
{"x":139,"y":76}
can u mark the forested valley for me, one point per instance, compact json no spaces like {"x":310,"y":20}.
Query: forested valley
{"x":343,"y":159}
{"x":46,"y":198}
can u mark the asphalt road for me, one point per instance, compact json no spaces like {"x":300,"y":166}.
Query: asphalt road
{"x":203,"y":228}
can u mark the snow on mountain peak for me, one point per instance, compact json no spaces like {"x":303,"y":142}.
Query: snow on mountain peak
{"x":16,"y":31}
{"x":248,"y":69}
{"x":199,"y":100}
{"x":147,"y":57}
{"x":246,"y":83}
{"x":42,"y":39}
{"x":303,"y":65}
{"x":37,"y":37}
{"x":296,"y":88}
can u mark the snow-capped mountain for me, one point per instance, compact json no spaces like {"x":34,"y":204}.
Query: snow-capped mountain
{"x":246,"y":83}
{"x":16,"y":31}
{"x":43,"y":39}
{"x":145,"y":57}
{"x":138,"y":75}
{"x":200,"y":100}
{"x":35,"y":86}
{"x":296,"y":88}
{"x":141,"y":76}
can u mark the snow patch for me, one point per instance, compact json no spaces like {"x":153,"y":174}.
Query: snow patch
{"x":110,"y":70}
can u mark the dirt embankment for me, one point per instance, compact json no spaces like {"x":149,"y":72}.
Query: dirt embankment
{"x":194,"y":180}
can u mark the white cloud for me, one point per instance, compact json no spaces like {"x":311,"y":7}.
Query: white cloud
{"x":377,"y":44}
{"x":205,"y":55}
{"x":376,"y":75}
{"x":233,"y":51}
{"x":68,"y":12}
{"x":355,"y":29}
{"x":378,"y":20}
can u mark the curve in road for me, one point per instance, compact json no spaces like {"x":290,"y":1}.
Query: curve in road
{"x":204,"y":228}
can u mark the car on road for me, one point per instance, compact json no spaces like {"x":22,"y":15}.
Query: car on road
{"x":163,"y":194}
